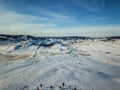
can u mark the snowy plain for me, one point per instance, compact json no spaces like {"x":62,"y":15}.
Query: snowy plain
{"x":81,"y":64}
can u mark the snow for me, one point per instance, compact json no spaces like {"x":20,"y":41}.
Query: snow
{"x":84,"y":64}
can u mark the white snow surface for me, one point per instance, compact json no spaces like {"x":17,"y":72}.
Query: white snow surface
{"x":86,"y":65}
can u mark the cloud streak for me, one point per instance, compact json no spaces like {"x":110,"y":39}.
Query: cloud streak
{"x":91,"y":5}
{"x":8,"y":16}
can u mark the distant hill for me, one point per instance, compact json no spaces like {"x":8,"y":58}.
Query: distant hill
{"x":18,"y":38}
{"x":28,"y":37}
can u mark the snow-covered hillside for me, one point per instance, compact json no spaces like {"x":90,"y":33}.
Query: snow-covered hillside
{"x":29,"y":63}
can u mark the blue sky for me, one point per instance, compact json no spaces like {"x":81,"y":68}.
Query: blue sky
{"x":60,"y":17}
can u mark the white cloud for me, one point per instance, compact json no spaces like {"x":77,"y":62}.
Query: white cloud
{"x":16,"y":23}
{"x":94,"y":31}
{"x":12,"y":21}
{"x":9,"y":17}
